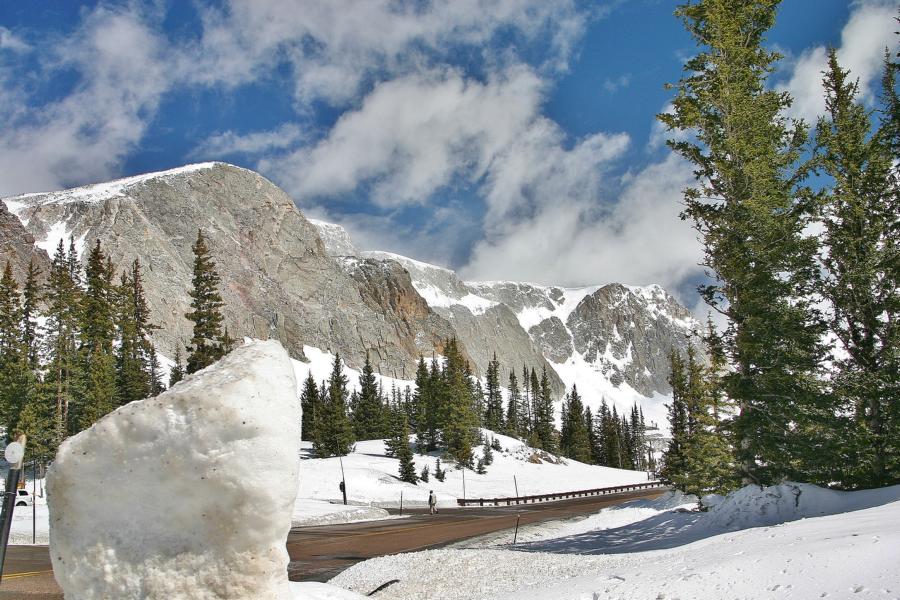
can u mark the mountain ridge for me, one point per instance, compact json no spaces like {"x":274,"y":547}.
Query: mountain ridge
{"x":303,"y":281}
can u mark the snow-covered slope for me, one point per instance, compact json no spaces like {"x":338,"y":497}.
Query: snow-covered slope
{"x":372,"y":476}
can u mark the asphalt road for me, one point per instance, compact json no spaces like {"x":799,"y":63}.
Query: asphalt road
{"x":321,"y":552}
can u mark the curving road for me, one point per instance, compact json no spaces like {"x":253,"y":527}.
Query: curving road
{"x":321,"y":552}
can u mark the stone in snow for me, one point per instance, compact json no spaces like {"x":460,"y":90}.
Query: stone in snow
{"x":186,"y":495}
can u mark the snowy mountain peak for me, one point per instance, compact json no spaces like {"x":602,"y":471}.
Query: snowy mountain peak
{"x":336,"y":239}
{"x":97,"y":192}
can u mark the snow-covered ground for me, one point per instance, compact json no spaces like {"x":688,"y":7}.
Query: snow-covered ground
{"x":790,"y":541}
{"x":372,"y":477}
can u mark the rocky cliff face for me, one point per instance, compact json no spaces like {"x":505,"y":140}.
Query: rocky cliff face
{"x":17,"y":246}
{"x":278,"y":279}
{"x":624,"y":333}
{"x":483,"y":326}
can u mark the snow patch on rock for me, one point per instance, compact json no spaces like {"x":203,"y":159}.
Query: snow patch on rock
{"x":186,"y":495}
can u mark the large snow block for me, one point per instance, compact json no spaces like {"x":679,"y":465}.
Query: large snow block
{"x":186,"y":495}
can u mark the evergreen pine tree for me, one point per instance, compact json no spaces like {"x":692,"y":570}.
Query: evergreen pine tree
{"x":13,"y":360}
{"x":544,"y":412}
{"x":29,"y":412}
{"x":31,"y":296}
{"x":673,"y":457}
{"x":439,"y":473}
{"x":63,"y":370}
{"x":404,"y":452}
{"x":476,"y":393}
{"x":176,"y":374}
{"x":493,"y":415}
{"x":369,"y":418}
{"x":133,"y":380}
{"x":425,"y":475}
{"x":395,"y":440}
{"x":513,"y":407}
{"x":750,"y":208}
{"x":708,"y":463}
{"x":310,"y":408}
{"x":435,"y":405}
{"x":638,"y":442}
{"x":318,"y":440}
{"x":577,"y":444}
{"x":488,"y":453}
{"x":420,"y":401}
{"x":155,"y":372}
{"x":337,"y":433}
{"x":206,"y":310}
{"x":97,"y":334}
{"x":460,"y":429}
{"x":861,"y":217}
{"x":480,"y":467}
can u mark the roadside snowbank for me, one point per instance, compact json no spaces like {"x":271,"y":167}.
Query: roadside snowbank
{"x":751,"y":506}
{"x":844,"y":554}
{"x":185,"y":495}
{"x":315,"y":512}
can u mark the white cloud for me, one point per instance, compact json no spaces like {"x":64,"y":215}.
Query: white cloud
{"x":85,"y":135}
{"x":258,"y":142}
{"x":334,"y":47}
{"x":869,"y":30}
{"x":574,"y":240}
{"x":12,"y":42}
{"x":413,"y":135}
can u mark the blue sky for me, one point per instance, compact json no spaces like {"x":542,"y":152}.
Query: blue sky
{"x":511,"y":139}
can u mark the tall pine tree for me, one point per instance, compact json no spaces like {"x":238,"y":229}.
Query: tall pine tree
{"x":206,"y":310}
{"x":750,"y":208}
{"x":860,"y":212}
{"x":336,"y":430}
{"x":493,"y":414}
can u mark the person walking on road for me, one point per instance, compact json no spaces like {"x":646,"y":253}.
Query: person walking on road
{"x":432,"y":502}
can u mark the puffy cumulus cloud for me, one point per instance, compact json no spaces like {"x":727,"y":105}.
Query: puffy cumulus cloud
{"x":335,"y":47}
{"x":868,"y":31}
{"x":85,"y":135}
{"x":572,"y":239}
{"x":413,"y":135}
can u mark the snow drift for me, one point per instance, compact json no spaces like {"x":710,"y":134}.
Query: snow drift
{"x":186,"y":495}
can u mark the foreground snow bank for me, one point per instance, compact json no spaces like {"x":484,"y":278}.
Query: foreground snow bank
{"x":850,"y":554}
{"x":186,"y":495}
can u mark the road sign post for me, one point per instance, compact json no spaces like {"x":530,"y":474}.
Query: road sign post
{"x":343,"y":481}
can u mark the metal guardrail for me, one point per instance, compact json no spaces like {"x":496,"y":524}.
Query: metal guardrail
{"x":559,"y":495}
